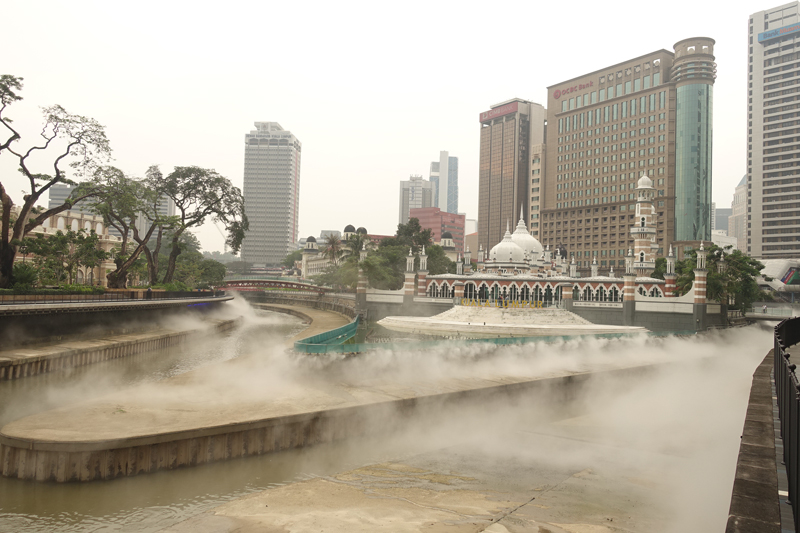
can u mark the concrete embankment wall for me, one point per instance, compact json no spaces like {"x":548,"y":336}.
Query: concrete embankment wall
{"x":54,"y":323}
{"x":343,"y":306}
{"x":101,"y":350}
{"x":102,"y":460}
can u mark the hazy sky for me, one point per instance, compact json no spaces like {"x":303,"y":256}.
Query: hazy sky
{"x":373,"y":91}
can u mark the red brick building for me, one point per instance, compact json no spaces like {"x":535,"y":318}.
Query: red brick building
{"x":439,"y":222}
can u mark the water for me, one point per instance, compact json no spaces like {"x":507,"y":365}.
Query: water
{"x":154,"y":501}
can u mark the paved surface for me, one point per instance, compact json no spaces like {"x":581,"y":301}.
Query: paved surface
{"x":492,"y":321}
{"x":319,"y":321}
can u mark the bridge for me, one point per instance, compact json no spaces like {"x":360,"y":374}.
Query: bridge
{"x":271,"y":284}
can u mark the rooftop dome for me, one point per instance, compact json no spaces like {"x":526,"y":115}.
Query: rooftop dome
{"x":362,"y":230}
{"x":529,"y":244}
{"x":447,"y":235}
{"x":506,"y":251}
{"x":311,"y":239}
{"x":349,"y":228}
{"x":644,"y":182}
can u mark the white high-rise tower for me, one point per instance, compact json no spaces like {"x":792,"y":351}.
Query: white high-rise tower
{"x":773,"y":172}
{"x":271,"y":194}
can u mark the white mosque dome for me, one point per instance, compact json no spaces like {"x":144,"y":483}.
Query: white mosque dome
{"x":529,"y":244}
{"x":644,"y":182}
{"x":507,"y":251}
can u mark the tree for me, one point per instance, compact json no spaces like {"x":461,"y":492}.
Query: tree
{"x":25,"y":275}
{"x":290,"y":259}
{"x":333,"y":249}
{"x":239,"y":267}
{"x":438,"y":262}
{"x":735,"y":282}
{"x":198,"y":194}
{"x":122,"y":201}
{"x":61,"y":254}
{"x":661,"y":268}
{"x":74,"y":140}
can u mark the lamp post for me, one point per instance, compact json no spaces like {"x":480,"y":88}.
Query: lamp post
{"x":24,"y":251}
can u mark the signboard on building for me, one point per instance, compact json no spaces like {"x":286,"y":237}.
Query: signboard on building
{"x":499,"y":111}
{"x":778,"y":32}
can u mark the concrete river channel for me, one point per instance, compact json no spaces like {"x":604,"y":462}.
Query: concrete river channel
{"x":654,"y":450}
{"x":149,"y":502}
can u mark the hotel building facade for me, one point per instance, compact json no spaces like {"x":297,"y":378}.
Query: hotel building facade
{"x":271,"y":194}
{"x":773,"y":133}
{"x":649,"y":115}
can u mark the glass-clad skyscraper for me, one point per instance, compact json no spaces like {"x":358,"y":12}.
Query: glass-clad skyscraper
{"x":271,"y":194}
{"x":693,"y":73}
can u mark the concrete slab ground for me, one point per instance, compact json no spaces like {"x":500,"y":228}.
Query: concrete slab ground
{"x":562,"y":477}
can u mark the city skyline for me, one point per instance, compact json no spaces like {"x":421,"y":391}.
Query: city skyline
{"x":177,"y":121}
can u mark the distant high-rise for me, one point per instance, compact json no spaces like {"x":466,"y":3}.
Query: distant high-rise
{"x":414,"y":193}
{"x":737,"y":222}
{"x":59,"y":194}
{"x":512,"y":137}
{"x":773,"y":151}
{"x":271,"y":193}
{"x":444,"y":176}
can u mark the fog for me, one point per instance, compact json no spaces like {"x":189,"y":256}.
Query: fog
{"x":673,"y":425}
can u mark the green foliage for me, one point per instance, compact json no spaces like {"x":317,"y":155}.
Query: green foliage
{"x":239,"y":267}
{"x":25,"y":276}
{"x":343,"y":276}
{"x":735,"y":283}
{"x":63,"y":290}
{"x":290,"y":259}
{"x":661,"y":268}
{"x":333,"y":249}
{"x":438,"y":262}
{"x":58,"y":256}
{"x":64,"y":139}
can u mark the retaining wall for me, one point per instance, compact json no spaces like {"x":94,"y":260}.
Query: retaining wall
{"x":93,"y":460}
{"x":104,"y":350}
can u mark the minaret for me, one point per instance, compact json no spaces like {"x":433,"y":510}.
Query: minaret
{"x":629,"y":291}
{"x":573,"y":268}
{"x":361,"y":287}
{"x":422,"y":275}
{"x":594,"y":267}
{"x":468,"y":262}
{"x":459,"y":265}
{"x":670,"y":276}
{"x":644,"y":230}
{"x":699,"y":286}
{"x":480,"y":257}
{"x":408,"y":284}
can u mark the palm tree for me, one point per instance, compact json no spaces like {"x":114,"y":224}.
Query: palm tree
{"x":333,"y":249}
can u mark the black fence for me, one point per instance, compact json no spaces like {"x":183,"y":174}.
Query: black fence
{"x":787,"y":334}
{"x":114,"y":296}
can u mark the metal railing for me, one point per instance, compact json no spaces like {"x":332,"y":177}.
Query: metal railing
{"x":114,"y":296}
{"x":773,"y":311}
{"x":787,"y":387}
{"x":321,"y":342}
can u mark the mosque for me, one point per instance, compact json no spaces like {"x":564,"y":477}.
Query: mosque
{"x":519,"y":272}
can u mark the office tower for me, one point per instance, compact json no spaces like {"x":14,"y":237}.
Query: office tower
{"x":271,"y":193}
{"x":414,"y":193}
{"x":648,"y":115}
{"x":59,"y":193}
{"x":444,"y":176}
{"x":439,"y":222}
{"x":510,"y":131}
{"x":737,"y":222}
{"x":720,"y":220}
{"x":773,"y":147}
